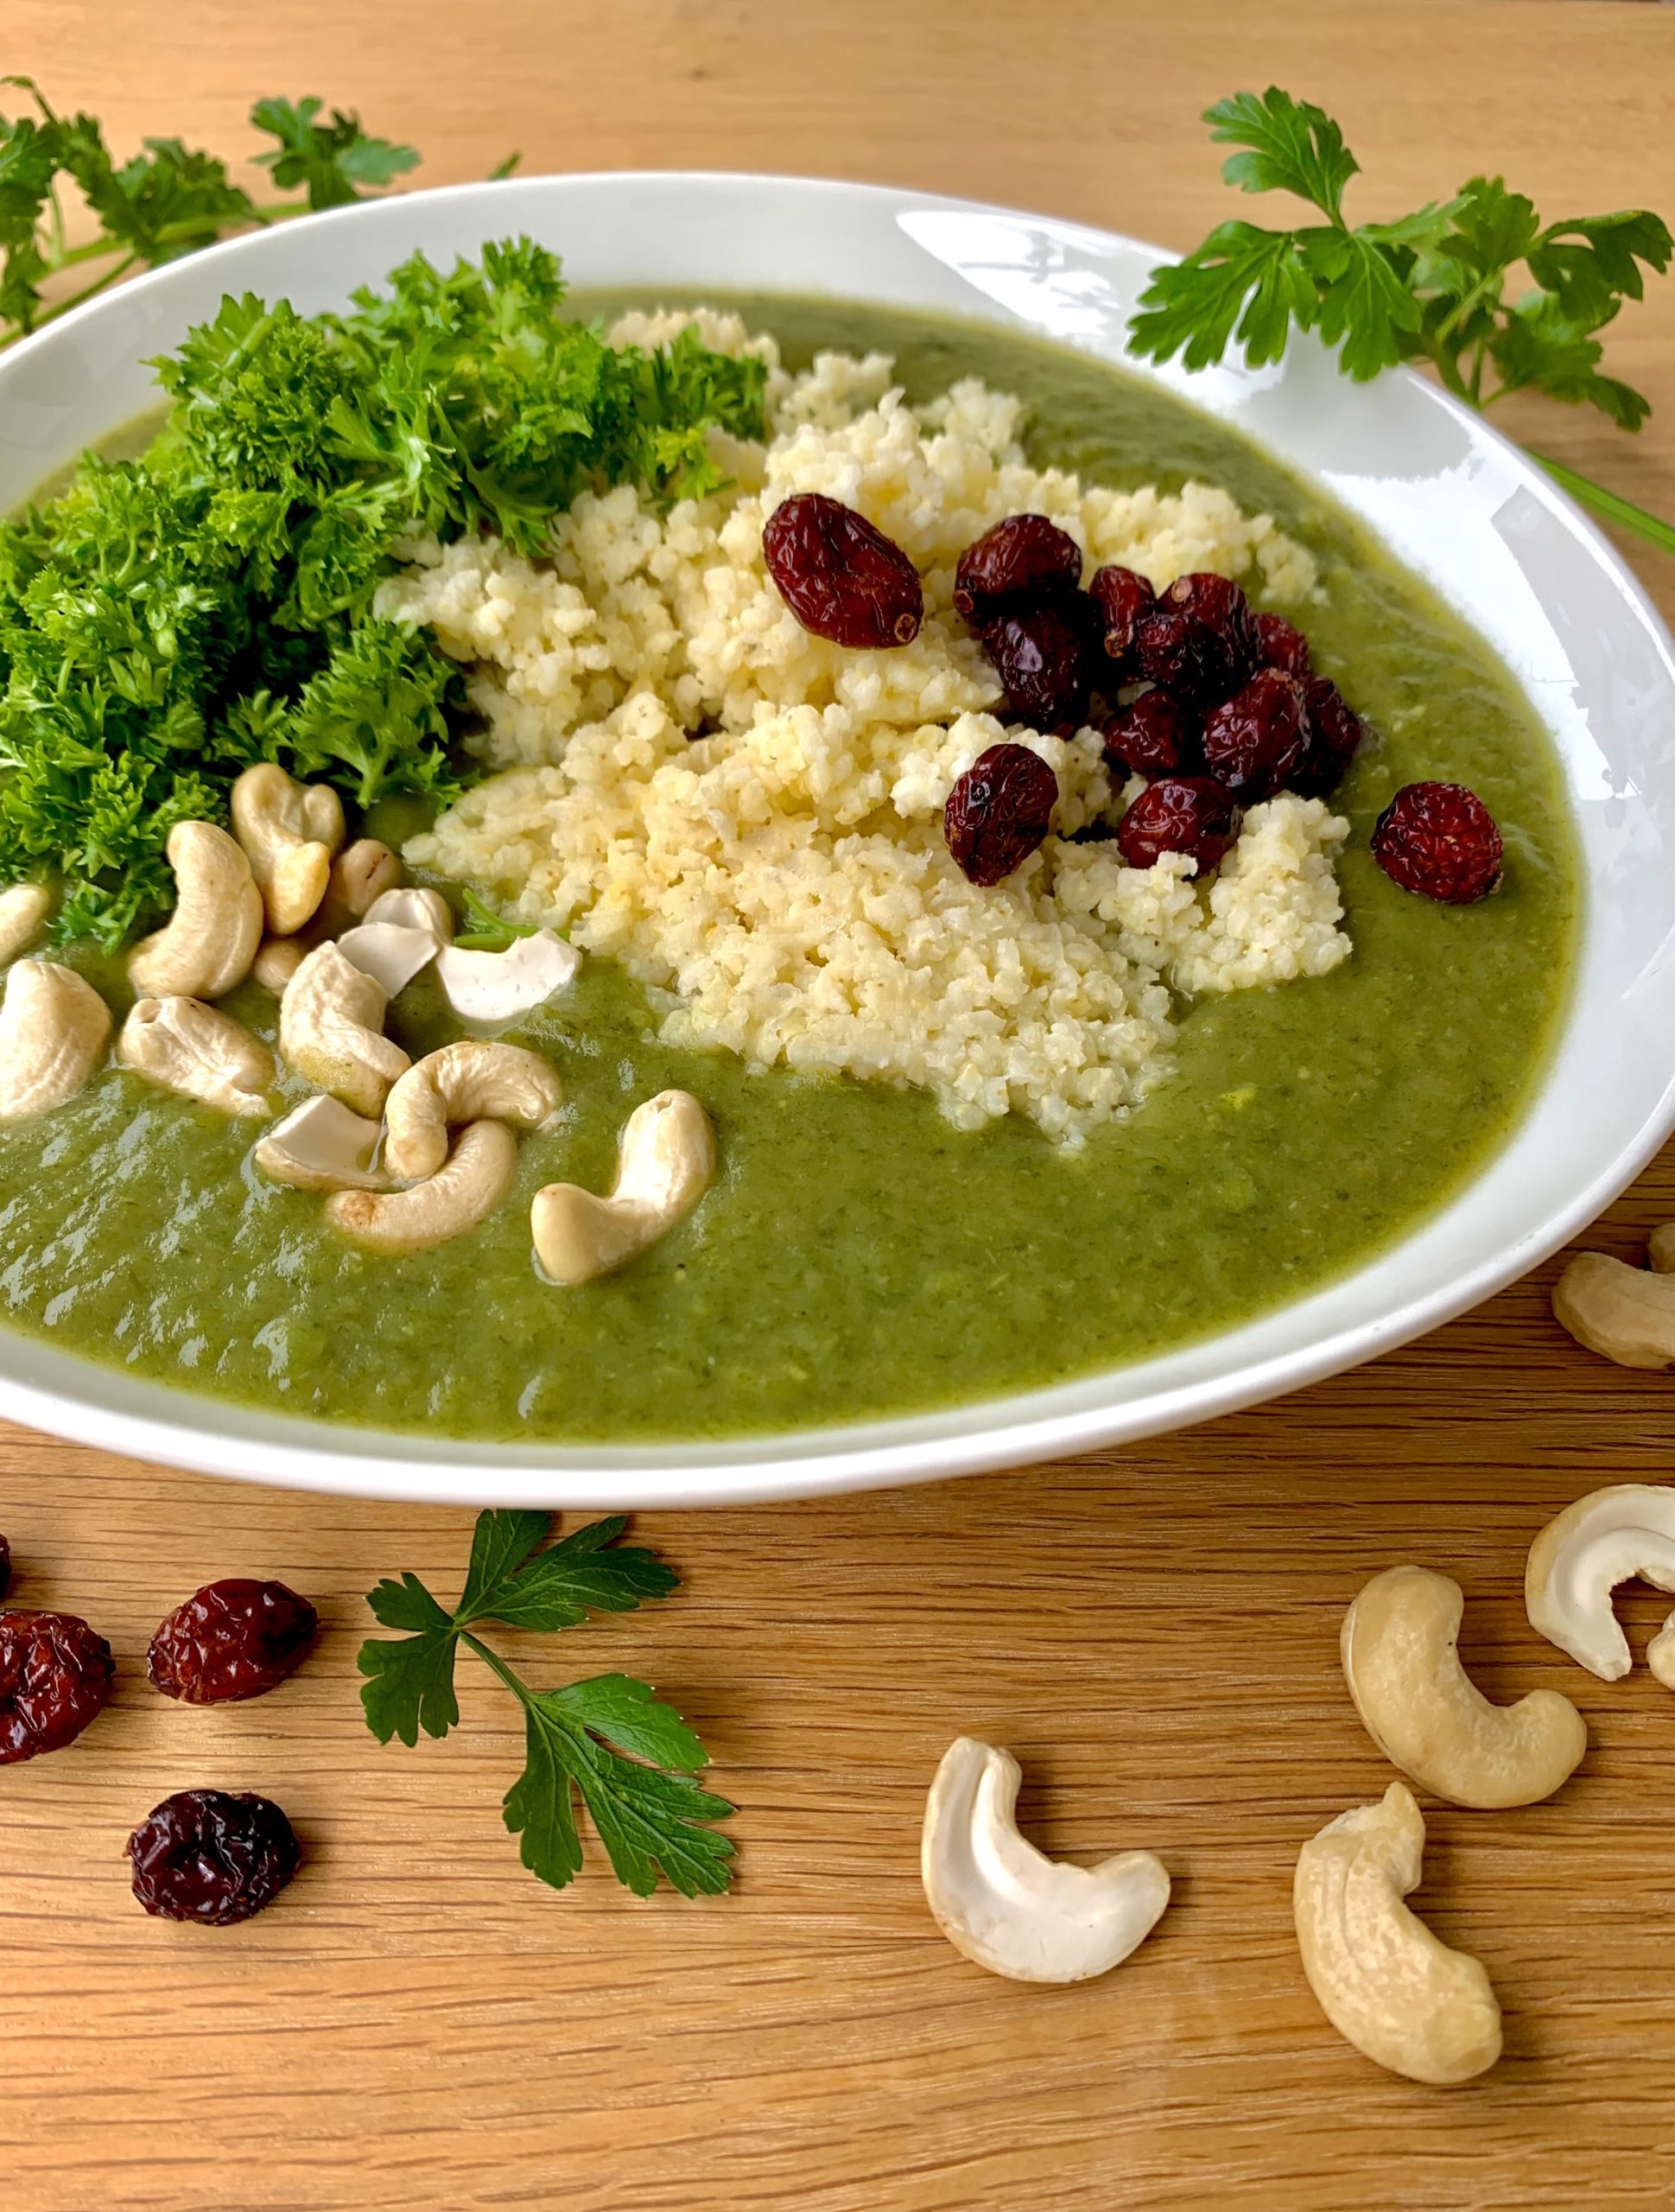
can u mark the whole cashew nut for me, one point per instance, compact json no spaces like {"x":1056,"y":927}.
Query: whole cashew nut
{"x":666,"y":1160}
{"x":331,"y":1030}
{"x":198,"y":1050}
{"x":321,"y":1146}
{"x":52,"y":1028}
{"x":277,"y":960}
{"x":290,"y":832}
{"x":361,"y":874}
{"x":23,"y":910}
{"x":1420,"y":1707}
{"x":1386,"y":1983}
{"x":1627,"y":1313}
{"x":1624,"y":1533}
{"x":470,"y":1081}
{"x":208,"y":945}
{"x":1004,"y":1905}
{"x":461,"y":1193}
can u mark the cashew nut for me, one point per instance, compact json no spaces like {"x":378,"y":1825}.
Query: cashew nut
{"x":1008,"y":1906}
{"x":195,"y":1049}
{"x":466,"y":1082}
{"x":331,"y":1030}
{"x":1627,"y":1313}
{"x":211,"y":938}
{"x":361,"y":873}
{"x":1624,"y":1533}
{"x":666,"y":1158}
{"x":1420,"y":1707}
{"x":321,"y":1146}
{"x":23,"y":910}
{"x":499,"y":986}
{"x":412,"y":908}
{"x":1386,"y":1983}
{"x":463,"y":1191}
{"x":392,"y":955}
{"x":277,"y":960}
{"x":52,"y":1028}
{"x":290,"y":831}
{"x":1660,"y":1249}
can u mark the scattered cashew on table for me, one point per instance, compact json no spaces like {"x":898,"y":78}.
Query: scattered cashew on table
{"x":1626,"y":1313}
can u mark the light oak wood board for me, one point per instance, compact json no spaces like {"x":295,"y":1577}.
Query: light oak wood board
{"x":417,"y":2026}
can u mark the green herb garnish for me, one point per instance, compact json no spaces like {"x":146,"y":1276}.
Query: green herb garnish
{"x":1438,"y":285}
{"x":489,"y":931}
{"x":632,"y":1759}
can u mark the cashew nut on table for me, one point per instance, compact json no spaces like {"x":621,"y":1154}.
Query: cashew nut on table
{"x":1626,"y":1313}
{"x":1623,"y":1534}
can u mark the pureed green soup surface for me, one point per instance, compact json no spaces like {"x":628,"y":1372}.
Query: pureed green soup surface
{"x":857,"y":1255}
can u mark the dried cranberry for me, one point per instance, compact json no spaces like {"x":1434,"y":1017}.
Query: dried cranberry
{"x":1025,"y":557}
{"x":1253,"y":744}
{"x":1218,"y":603}
{"x":235,"y":1639}
{"x":5,"y":1566}
{"x":1280,"y":644}
{"x":1153,"y":737}
{"x":1185,"y":656}
{"x":1440,"y":839}
{"x":1179,"y":814}
{"x":842,"y":578}
{"x":1335,"y":731}
{"x":999,"y":811}
{"x":1122,"y":596}
{"x":1045,"y":657}
{"x":56,"y":1676}
{"x":209,"y":1856}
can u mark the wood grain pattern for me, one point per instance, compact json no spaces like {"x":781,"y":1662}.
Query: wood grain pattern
{"x":419,"y":2026}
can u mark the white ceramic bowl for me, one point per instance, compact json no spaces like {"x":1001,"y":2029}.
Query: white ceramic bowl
{"x":1449,"y":497}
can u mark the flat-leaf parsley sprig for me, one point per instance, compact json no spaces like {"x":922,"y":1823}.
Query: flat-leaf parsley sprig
{"x":1441,"y":284}
{"x":632,"y":1759}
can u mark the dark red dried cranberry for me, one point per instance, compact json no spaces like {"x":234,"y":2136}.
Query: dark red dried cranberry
{"x":1044,"y":656}
{"x":998,"y":812}
{"x":1154,"y":737}
{"x":1122,"y":596}
{"x":5,"y":1566}
{"x":1253,"y":744}
{"x":842,"y":578}
{"x":1180,"y":814}
{"x":1025,"y":557}
{"x":1335,"y":731}
{"x":1440,"y":839}
{"x":207,"y":1856}
{"x":1185,"y":656}
{"x":55,"y":1674}
{"x":1280,"y":644}
{"x":1218,"y":603}
{"x":235,"y":1639}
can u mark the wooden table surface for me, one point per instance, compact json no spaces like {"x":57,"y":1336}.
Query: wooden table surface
{"x":418,"y":2025}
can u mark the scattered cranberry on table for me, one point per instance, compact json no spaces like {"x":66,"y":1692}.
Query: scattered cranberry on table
{"x":840,"y":576}
{"x":234,"y":1639}
{"x":999,"y":811}
{"x":1441,"y":840}
{"x":1025,"y":557}
{"x":1192,"y":815}
{"x":213,"y":1857}
{"x":56,"y":1676}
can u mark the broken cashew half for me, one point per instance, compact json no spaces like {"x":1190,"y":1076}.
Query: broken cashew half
{"x":209,"y":942}
{"x":499,"y":986}
{"x":331,"y":1030}
{"x":1386,"y":1983}
{"x":1425,"y":1714}
{"x":1008,"y":1906}
{"x":52,"y":1028}
{"x":290,"y":832}
{"x":23,"y":910}
{"x":470,"y":1081}
{"x":1624,"y":1533}
{"x":321,"y":1146}
{"x":462,"y":1193}
{"x":665,"y":1162}
{"x":198,"y":1050}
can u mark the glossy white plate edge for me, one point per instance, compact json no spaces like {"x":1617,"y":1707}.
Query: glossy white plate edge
{"x":689,"y":229}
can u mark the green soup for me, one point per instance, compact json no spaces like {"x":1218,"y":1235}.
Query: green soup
{"x":857,"y":1255}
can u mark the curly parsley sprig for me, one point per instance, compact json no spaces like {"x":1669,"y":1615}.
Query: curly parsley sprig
{"x":632,"y":1759}
{"x":1439,"y":285}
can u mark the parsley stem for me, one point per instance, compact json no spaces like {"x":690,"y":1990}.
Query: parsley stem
{"x":1611,"y":505}
{"x":493,"y":1660}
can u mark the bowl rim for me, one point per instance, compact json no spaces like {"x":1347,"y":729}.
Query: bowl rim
{"x":134,"y":1417}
